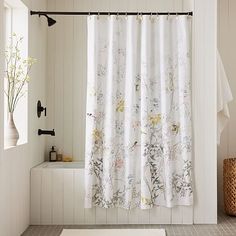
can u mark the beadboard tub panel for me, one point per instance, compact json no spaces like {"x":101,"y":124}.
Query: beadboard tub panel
{"x":57,"y":197}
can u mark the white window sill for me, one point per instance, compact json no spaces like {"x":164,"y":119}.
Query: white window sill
{"x":13,"y":147}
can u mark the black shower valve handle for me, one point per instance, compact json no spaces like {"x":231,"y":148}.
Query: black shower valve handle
{"x":40,"y":109}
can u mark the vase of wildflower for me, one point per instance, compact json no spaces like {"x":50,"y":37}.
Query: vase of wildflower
{"x":17,"y":77}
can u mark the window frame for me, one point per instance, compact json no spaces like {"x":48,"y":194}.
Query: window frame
{"x":16,"y":12}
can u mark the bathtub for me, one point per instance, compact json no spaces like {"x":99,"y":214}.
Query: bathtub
{"x":62,"y":165}
{"x":57,"y":198}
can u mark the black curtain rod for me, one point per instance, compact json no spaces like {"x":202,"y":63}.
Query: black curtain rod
{"x":68,"y":13}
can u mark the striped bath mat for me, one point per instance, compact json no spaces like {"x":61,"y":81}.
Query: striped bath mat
{"x":113,"y":232}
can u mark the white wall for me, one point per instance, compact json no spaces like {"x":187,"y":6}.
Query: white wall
{"x":67,"y":48}
{"x":15,"y":163}
{"x":204,"y":110}
{"x":66,"y":90}
{"x":226,"y":44}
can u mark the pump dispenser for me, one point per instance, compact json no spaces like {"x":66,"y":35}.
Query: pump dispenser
{"x":53,"y":154}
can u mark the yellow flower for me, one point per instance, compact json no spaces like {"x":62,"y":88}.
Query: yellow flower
{"x":146,"y":201}
{"x":155,"y":119}
{"x":120,"y":106}
{"x":175,"y":128}
{"x":97,"y":134}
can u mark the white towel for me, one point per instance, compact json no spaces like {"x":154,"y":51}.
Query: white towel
{"x":224,"y":96}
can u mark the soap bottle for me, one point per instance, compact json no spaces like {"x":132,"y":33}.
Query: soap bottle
{"x":59,"y":155}
{"x":53,"y":154}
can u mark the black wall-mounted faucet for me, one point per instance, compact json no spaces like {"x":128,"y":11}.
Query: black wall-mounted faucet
{"x":46,"y":132}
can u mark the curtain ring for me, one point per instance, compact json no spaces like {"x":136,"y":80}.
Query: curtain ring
{"x":109,"y":14}
{"x":137,"y":17}
{"x":168,"y":16}
{"x":157,"y":16}
{"x":150,"y":17}
{"x":141,"y":16}
{"x":117,"y":16}
{"x":177,"y":15}
{"x":98,"y":16}
{"x":89,"y":15}
{"x":126,"y":15}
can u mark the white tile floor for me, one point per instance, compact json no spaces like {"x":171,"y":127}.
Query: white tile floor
{"x":226,"y":227}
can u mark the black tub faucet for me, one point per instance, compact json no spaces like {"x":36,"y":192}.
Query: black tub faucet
{"x":46,"y":132}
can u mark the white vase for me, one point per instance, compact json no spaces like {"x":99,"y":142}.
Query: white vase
{"x":12,"y":135}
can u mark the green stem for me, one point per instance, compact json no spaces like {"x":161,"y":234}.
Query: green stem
{"x":8,"y":86}
{"x":20,"y":89}
{"x":14,"y":74}
{"x":17,"y":76}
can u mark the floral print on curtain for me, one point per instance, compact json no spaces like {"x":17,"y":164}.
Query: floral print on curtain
{"x":138,"y":125}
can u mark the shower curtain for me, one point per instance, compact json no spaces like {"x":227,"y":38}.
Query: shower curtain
{"x":138,"y":125}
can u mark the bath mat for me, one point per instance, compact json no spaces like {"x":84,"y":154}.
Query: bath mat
{"x":113,"y":232}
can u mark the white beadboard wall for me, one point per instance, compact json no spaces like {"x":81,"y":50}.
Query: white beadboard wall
{"x":66,"y":86}
{"x":67,"y":48}
{"x":226,"y":45}
{"x":15,"y":163}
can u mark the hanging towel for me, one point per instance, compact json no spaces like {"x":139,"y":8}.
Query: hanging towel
{"x":224,"y":96}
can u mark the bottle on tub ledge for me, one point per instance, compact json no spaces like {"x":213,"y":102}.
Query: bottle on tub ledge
{"x":59,"y":155}
{"x":67,"y":158}
{"x":53,"y":155}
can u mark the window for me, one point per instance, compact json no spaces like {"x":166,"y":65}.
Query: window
{"x":16,"y":21}
{"x":8,"y":21}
